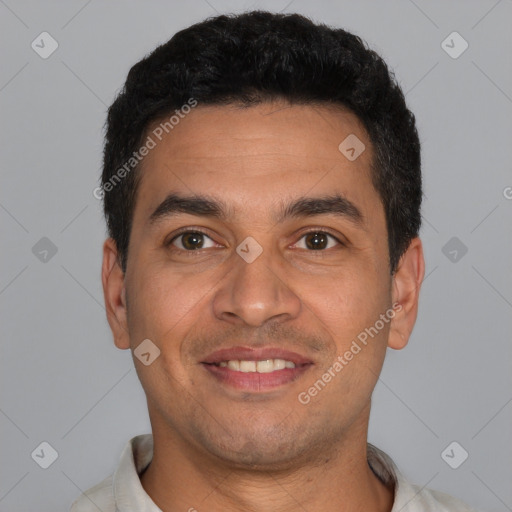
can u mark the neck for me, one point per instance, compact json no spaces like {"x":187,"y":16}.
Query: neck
{"x":337,"y":479}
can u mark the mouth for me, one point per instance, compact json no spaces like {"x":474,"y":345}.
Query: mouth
{"x":262,"y":366}
{"x":256,"y":369}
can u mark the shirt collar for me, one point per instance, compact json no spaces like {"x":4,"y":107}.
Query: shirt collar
{"x":388,"y":473}
{"x":129,"y":495}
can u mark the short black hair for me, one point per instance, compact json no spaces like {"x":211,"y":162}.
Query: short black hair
{"x":255,"y":57}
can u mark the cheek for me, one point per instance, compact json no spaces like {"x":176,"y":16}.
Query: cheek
{"x":349,"y":301}
{"x":162,"y":310}
{"x":161,"y":301}
{"x":345,"y":381}
{"x":348,"y":311}
{"x":166,"y":308}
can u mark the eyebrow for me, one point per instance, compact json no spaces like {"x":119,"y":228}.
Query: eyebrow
{"x":204,"y":206}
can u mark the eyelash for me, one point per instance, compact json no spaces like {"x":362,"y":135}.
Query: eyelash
{"x":185,"y":231}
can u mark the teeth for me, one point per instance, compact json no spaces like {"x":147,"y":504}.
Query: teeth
{"x":247,"y":366}
{"x":265,"y":366}
{"x":234,"y":365}
{"x":279,"y":364}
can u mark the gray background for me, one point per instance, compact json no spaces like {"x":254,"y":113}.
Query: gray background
{"x":62,"y":379}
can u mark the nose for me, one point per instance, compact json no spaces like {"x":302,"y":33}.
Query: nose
{"x":255,"y":292}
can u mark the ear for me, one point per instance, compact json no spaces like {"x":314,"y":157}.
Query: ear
{"x":114,"y":293}
{"x":405,"y":293}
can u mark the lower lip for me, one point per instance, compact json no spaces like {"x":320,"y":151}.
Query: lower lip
{"x":254,"y":381}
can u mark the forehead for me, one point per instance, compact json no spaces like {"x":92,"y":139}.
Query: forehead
{"x":232,"y":129}
{"x":253,"y":157}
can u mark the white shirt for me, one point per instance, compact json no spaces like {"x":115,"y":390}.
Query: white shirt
{"x":123,"y":491}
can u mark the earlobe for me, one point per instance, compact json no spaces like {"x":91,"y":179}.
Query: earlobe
{"x":406,"y":288}
{"x":114,"y":292}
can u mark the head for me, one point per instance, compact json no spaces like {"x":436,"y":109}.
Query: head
{"x":245,"y":122}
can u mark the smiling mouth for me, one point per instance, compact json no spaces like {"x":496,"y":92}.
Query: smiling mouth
{"x":262,"y":366}
{"x":260,"y":376}
{"x":256,"y":369}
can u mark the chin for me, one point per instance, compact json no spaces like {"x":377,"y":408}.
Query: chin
{"x":260,"y":451}
{"x":252,"y":457}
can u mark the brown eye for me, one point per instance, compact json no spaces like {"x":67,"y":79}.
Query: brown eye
{"x":318,"y":240}
{"x":191,"y":241}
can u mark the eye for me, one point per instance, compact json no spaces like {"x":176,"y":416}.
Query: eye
{"x":318,"y":240}
{"x":191,"y":241}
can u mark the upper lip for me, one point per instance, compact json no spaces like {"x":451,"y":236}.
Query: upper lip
{"x":255,"y":354}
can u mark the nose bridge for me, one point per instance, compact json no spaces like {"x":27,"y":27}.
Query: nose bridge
{"x":254,"y":292}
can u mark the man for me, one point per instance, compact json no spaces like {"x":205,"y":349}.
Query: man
{"x":262,"y":192}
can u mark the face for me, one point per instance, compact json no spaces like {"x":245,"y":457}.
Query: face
{"x":279,"y":271}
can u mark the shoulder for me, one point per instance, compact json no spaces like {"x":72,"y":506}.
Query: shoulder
{"x":99,"y":497}
{"x":411,"y":497}
{"x":425,"y":499}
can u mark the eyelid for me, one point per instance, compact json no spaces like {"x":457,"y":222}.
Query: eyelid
{"x":320,"y":229}
{"x":309,"y":230}
{"x":184,"y":230}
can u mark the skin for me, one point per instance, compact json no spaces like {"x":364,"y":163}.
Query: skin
{"x":221,"y":449}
